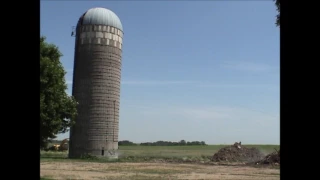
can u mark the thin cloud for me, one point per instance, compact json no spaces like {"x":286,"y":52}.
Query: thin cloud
{"x":212,"y":113}
{"x":227,"y":114}
{"x":206,"y":113}
{"x":203,"y":114}
{"x":220,"y":116}
{"x":247,"y":66}
{"x":156,"y":82}
{"x":195,"y":83}
{"x":151,"y":82}
{"x":212,"y":85}
{"x":202,"y":84}
{"x":141,"y":107}
{"x":213,"y":124}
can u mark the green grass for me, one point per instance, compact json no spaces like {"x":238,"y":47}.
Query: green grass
{"x":182,"y":151}
{"x":146,"y":153}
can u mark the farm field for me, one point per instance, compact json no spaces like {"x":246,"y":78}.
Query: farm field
{"x":181,"y":151}
{"x":171,"y":151}
{"x":151,"y":171}
{"x":155,"y":162}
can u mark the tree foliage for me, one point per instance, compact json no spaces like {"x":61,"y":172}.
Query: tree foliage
{"x":126,"y":143}
{"x":57,"y":108}
{"x":277,"y":2}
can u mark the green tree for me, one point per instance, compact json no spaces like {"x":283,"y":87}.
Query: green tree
{"x":277,"y":2}
{"x":57,"y":109}
{"x":183,"y":142}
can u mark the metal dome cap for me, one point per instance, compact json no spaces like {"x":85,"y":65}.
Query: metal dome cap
{"x":101,"y":16}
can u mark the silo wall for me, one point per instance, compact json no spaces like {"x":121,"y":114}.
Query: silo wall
{"x":96,"y":87}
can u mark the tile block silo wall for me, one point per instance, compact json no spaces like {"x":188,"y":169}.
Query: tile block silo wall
{"x":96,"y":87}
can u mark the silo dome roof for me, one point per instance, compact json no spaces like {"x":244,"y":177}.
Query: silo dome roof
{"x":101,"y":16}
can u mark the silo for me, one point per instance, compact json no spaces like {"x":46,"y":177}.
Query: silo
{"x":96,"y":84}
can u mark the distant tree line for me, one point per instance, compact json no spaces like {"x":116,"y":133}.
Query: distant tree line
{"x":126,"y":143}
{"x":163,"y":143}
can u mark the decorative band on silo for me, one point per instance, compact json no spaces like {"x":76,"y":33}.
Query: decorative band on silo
{"x":103,"y":35}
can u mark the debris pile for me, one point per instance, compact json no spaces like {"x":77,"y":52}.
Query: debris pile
{"x":237,"y":153}
{"x":271,"y":159}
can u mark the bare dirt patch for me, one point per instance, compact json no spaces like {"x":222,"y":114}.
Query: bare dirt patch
{"x":237,"y":153}
{"x":270,"y":159}
{"x":150,"y":171}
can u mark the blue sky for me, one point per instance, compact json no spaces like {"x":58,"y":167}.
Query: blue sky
{"x":192,"y":70}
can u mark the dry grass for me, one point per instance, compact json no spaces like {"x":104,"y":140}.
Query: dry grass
{"x":152,"y":162}
{"x":150,"y":171}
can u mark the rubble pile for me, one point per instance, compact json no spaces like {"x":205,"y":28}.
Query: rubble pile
{"x":237,"y":153}
{"x":271,"y":159}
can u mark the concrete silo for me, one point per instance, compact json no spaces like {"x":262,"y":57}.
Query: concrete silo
{"x":96,"y":84}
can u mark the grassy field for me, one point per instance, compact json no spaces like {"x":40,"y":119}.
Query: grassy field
{"x":169,"y":151}
{"x":181,"y":151}
{"x":153,"y":162}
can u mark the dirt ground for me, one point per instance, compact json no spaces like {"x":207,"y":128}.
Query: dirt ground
{"x":151,"y":171}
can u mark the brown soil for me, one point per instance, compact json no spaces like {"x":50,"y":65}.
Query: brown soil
{"x":237,"y":153}
{"x":151,"y":171}
{"x":271,"y":159}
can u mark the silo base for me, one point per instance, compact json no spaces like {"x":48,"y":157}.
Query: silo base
{"x":99,"y":150}
{"x":109,"y":154}
{"x":113,"y":154}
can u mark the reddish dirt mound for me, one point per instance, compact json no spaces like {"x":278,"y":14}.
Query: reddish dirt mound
{"x":273,"y":159}
{"x":237,"y":153}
